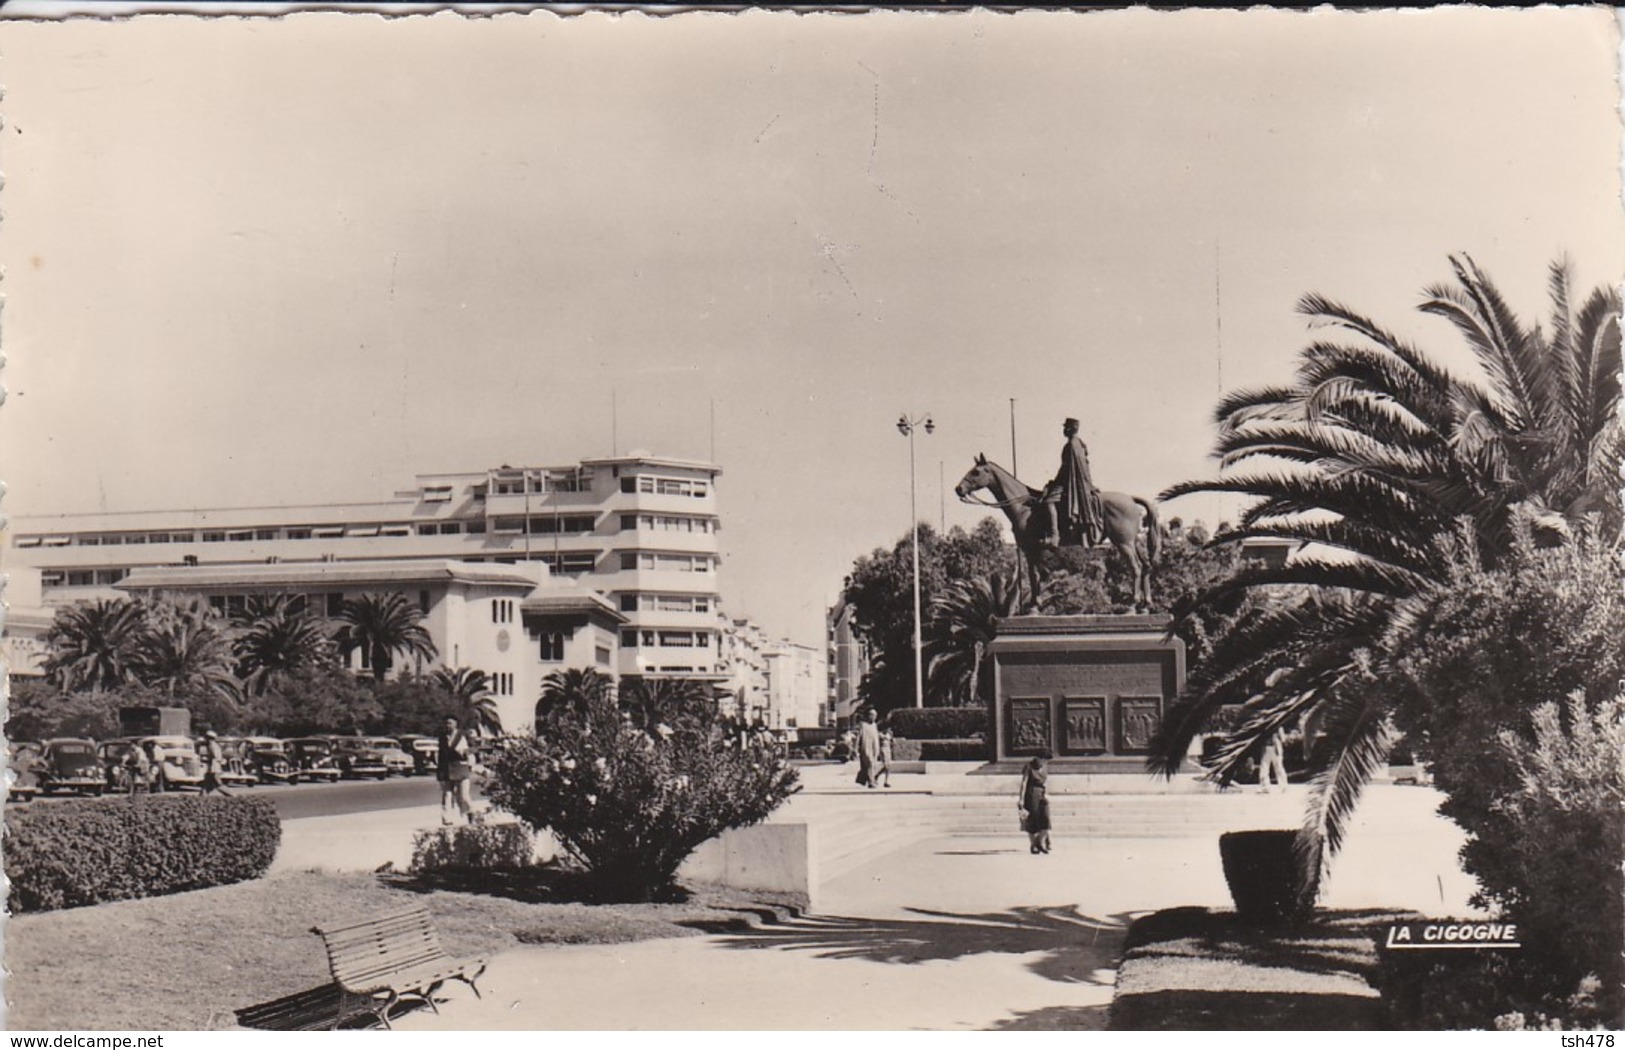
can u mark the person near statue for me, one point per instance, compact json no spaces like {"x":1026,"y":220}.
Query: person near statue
{"x":1071,"y":502}
{"x":869,"y":749}
{"x":1033,"y":803}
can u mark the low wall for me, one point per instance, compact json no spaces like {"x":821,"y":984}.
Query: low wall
{"x":776,"y":857}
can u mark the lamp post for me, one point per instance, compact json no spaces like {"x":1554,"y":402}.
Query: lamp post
{"x":906,"y":427}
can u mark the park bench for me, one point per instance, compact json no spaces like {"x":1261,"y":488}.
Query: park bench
{"x":383,"y":961}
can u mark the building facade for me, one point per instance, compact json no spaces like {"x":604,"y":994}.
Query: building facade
{"x":795,"y":680}
{"x":640,"y":530}
{"x":847,"y":662}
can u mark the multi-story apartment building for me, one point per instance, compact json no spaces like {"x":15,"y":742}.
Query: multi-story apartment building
{"x":640,"y":530}
{"x":795,"y":686}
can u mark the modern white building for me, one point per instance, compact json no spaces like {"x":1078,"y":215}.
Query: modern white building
{"x":795,"y":682}
{"x":640,"y":530}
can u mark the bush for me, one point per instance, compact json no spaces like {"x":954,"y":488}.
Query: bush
{"x":905,"y":750}
{"x":938,"y":723}
{"x":630,"y":801}
{"x":472,"y":846}
{"x":1264,"y":877}
{"x":87,"y":851}
{"x":964,"y":750}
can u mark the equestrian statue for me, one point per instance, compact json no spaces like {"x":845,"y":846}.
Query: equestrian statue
{"x":1069,"y":512}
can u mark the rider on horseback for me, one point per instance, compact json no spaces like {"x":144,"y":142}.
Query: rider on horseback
{"x":1071,"y":502}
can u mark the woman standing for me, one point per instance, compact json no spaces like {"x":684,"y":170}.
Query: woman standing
{"x":868,"y":748}
{"x":1034,"y":801}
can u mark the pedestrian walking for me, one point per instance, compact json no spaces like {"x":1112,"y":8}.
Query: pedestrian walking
{"x":1271,"y":760}
{"x":455,"y":771}
{"x":886,"y":741}
{"x":155,"y":761}
{"x":1034,"y":801}
{"x":869,"y":749}
{"x":214,"y":761}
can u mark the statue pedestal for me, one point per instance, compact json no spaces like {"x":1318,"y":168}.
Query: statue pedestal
{"x":1092,"y":689}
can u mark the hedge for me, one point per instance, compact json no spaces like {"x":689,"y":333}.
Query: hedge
{"x":973,"y":749}
{"x":472,"y":846}
{"x":87,"y":851}
{"x":939,"y":723}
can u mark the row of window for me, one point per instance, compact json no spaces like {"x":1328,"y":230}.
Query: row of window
{"x":631,"y":639}
{"x":81,"y":577}
{"x":502,"y":683}
{"x":667,"y":523}
{"x":568,"y":479}
{"x":678,"y":603}
{"x":297,"y":532}
{"x":666,"y":562}
{"x":502,"y":610}
{"x":552,"y":525}
{"x":666,"y":486}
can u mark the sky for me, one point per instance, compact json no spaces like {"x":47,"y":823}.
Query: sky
{"x":265,"y":261}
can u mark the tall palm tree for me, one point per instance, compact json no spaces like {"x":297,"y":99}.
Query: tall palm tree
{"x":470,"y":690}
{"x":964,"y":620}
{"x":185,"y":650}
{"x":382,"y":625}
{"x":93,"y":645}
{"x":273,"y":639}
{"x":1388,"y":467}
{"x":576,"y":689}
{"x":652,"y":702}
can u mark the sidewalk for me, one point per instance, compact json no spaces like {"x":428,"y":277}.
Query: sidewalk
{"x":943,"y":932}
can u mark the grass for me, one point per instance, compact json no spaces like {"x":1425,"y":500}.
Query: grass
{"x":1189,"y":969}
{"x":191,"y":960}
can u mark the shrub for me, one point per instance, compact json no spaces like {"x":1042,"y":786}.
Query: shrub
{"x":905,"y":750}
{"x":472,"y":846}
{"x":939,"y":723}
{"x":86,"y":851}
{"x":631,"y":794}
{"x":965,"y":750}
{"x":1264,"y":877}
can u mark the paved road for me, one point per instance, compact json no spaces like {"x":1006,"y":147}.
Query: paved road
{"x":328,"y":800}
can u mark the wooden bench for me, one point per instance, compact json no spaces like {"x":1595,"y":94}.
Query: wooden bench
{"x":383,"y":961}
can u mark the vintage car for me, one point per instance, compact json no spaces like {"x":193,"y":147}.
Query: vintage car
{"x":268,"y":759}
{"x":71,"y":764}
{"x":425,"y":753}
{"x":178,"y":765}
{"x":357,"y":758}
{"x":24,"y":764}
{"x":312,"y":757}
{"x":235,"y":770}
{"x":398,"y":761}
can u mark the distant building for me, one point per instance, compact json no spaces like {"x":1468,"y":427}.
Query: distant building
{"x":641,"y":530}
{"x":795,"y":686}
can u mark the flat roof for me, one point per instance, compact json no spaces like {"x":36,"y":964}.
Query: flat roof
{"x":325,"y":573}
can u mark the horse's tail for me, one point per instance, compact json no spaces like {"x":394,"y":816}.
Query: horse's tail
{"x":1153,"y":541}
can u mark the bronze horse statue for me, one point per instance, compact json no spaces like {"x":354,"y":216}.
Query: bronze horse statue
{"x":1122,"y":515}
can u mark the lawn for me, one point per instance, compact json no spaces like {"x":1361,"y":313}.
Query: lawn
{"x":1190,"y":969}
{"x":191,"y":960}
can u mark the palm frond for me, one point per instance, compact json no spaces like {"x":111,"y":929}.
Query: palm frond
{"x":1357,"y":738}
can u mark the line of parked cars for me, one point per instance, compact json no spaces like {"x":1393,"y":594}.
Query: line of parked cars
{"x":81,"y":766}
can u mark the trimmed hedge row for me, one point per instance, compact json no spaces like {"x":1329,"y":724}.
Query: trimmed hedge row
{"x":939,"y":723}
{"x":73,"y":853}
{"x":973,"y":749}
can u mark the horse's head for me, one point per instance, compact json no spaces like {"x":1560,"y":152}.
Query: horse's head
{"x":978,"y":477}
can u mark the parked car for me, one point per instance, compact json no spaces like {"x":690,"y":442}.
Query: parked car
{"x":180,"y":767}
{"x":24,"y":764}
{"x":357,"y":758}
{"x":398,"y":761}
{"x":234,"y":767}
{"x":312,"y":757}
{"x":71,"y":764}
{"x":425,"y":752}
{"x":268,"y":759}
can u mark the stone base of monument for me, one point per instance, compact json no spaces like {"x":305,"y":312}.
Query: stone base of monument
{"x":1091,"y":690}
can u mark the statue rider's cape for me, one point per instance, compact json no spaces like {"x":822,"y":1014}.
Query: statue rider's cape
{"x":1081,"y":517}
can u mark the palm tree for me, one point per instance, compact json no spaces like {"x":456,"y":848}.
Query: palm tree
{"x":382,"y":625}
{"x":652,"y":702}
{"x":93,"y":645}
{"x":1388,"y":467}
{"x":274,"y":639}
{"x":185,"y":650}
{"x":576,"y":689}
{"x":964,"y":620}
{"x":471,"y":691}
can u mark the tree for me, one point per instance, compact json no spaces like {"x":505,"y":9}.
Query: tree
{"x":654,"y":702}
{"x":470,"y":693}
{"x":274,"y":639}
{"x":93,"y":645}
{"x":881,"y":593}
{"x":1385,"y":465}
{"x":575,"y":688}
{"x":185,"y":651}
{"x":964,"y":621}
{"x":38,"y":710}
{"x":314,"y":699}
{"x":382,"y":626}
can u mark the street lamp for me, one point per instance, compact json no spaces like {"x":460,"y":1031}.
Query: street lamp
{"x":906,"y":427}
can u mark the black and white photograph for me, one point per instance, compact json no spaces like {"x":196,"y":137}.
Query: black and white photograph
{"x":528,"y":518}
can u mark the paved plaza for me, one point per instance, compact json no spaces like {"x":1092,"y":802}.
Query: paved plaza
{"x":929,"y":916}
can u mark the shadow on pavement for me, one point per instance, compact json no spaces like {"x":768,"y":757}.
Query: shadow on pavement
{"x":1076,"y":948}
{"x":1056,"y":1019}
